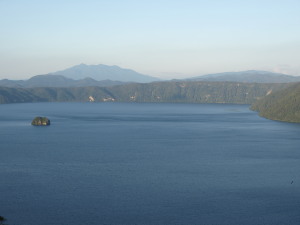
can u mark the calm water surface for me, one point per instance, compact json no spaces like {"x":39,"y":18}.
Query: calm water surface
{"x":148,"y":164}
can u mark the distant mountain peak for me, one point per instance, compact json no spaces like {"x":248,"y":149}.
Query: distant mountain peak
{"x":105,"y":72}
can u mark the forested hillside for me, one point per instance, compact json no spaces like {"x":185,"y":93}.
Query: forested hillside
{"x":283,"y":105}
{"x":189,"y":92}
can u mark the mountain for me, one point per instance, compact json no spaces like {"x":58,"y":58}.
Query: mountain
{"x":183,"y":92}
{"x":282,"y":105}
{"x":250,"y":76}
{"x":50,"y":80}
{"x":11,"y":83}
{"x":104,"y":72}
{"x":87,"y":82}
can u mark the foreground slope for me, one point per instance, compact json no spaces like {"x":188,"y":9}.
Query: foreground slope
{"x":283,"y":105}
{"x":183,"y":92}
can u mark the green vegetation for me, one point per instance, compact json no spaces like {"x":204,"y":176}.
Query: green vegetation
{"x":283,"y":105}
{"x":174,"y":91}
{"x":275,"y":101}
{"x":40,"y":121}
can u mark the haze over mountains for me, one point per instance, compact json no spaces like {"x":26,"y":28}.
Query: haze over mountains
{"x":82,"y":76}
{"x":103,"y":76}
{"x":50,"y":80}
{"x":273,"y":94}
{"x":104,"y":72}
{"x":250,"y":76}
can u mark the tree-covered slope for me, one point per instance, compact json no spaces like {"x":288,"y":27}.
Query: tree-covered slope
{"x":189,"y":92}
{"x":283,"y":105}
{"x":193,"y":92}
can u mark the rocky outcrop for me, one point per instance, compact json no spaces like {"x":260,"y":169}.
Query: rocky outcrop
{"x":40,"y":121}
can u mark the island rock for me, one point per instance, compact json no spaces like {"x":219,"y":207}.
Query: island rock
{"x":40,"y":121}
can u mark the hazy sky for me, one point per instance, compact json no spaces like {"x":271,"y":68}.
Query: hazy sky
{"x":160,"y":38}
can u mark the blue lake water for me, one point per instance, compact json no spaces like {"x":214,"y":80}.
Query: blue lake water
{"x":147,"y":164}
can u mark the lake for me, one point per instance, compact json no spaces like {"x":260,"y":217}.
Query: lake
{"x":147,"y":164}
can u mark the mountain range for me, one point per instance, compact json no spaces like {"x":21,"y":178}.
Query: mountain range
{"x":273,"y":95}
{"x":103,"y":76}
{"x":50,"y":80}
{"x":82,"y":76}
{"x":250,"y":76}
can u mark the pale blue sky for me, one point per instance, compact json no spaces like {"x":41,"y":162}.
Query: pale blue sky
{"x":168,"y":39}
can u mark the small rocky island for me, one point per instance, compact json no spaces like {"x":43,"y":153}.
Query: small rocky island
{"x":40,"y":121}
